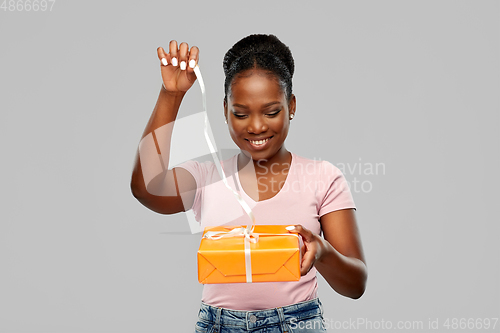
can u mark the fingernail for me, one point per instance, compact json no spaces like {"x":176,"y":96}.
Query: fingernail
{"x":174,"y":61}
{"x":164,"y":61}
{"x":183,"y":65}
{"x":290,"y":227}
{"x":192,"y":63}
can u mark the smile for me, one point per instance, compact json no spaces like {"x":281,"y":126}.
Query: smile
{"x":259,"y":143}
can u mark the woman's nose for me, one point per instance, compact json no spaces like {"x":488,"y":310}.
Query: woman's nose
{"x":257,"y":125}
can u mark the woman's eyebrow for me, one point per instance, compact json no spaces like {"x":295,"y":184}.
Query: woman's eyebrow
{"x":263,"y":106}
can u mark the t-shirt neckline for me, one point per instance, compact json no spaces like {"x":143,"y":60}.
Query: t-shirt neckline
{"x":237,"y":176}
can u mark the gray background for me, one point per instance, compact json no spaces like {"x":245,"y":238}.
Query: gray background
{"x":410,"y":84}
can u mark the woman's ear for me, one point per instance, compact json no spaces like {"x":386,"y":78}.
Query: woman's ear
{"x":292,"y":104}
{"x":224,"y":104}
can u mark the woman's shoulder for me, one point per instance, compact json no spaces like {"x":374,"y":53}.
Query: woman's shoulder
{"x":207,"y":165}
{"x":317,"y":165}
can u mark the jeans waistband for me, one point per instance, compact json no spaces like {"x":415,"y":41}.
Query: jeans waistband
{"x":258,"y":318}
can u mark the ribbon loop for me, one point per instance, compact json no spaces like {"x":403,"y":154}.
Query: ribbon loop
{"x":213,"y":151}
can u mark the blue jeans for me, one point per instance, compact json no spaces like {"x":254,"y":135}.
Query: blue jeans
{"x":296,"y":318}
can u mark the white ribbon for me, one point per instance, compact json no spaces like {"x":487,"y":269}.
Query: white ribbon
{"x":213,"y":150}
{"x":248,"y":233}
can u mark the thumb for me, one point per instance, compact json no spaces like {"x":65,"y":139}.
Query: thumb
{"x":190,"y":74}
{"x":304,"y":232}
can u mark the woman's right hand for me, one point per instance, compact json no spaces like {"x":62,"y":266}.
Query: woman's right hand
{"x":178,"y":75}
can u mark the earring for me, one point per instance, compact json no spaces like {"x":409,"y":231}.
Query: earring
{"x":225,"y":121}
{"x":291,"y":116}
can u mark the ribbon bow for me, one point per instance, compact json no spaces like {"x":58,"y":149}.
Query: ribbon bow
{"x":236,"y":232}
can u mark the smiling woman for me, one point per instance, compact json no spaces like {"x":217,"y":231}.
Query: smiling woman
{"x":281,"y":187}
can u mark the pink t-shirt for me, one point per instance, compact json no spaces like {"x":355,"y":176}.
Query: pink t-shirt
{"x":312,"y":189}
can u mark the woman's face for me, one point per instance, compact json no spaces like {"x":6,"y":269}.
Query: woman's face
{"x":258,"y":114}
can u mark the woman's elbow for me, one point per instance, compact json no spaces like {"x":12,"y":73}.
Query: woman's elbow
{"x":358,"y":293}
{"x":361,"y":286}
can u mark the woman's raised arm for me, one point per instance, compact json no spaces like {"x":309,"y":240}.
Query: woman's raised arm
{"x":161,"y":190}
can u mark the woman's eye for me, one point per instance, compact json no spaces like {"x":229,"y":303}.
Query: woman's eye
{"x":274,"y":113}
{"x":241,"y":116}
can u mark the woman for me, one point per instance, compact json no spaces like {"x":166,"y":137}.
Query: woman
{"x":281,"y":187}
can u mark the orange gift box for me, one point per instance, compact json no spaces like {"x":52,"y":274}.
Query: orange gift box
{"x":272,"y":254}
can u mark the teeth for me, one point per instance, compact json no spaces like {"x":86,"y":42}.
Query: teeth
{"x":259,"y":142}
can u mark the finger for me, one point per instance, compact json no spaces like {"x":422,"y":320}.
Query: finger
{"x":305,"y":233}
{"x":183,"y":55}
{"x":162,"y":56}
{"x":173,"y":52}
{"x":193,"y":58}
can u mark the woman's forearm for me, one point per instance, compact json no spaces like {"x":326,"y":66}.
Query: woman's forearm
{"x":344,"y":274}
{"x":164,"y":113}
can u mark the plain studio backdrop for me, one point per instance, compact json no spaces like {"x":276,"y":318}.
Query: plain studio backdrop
{"x":403,"y":96}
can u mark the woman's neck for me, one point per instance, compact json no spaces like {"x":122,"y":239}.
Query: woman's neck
{"x":281,"y":160}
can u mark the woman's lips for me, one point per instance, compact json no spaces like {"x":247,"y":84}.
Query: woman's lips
{"x":256,"y":146}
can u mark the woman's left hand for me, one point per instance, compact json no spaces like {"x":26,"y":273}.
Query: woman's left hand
{"x":312,"y":250}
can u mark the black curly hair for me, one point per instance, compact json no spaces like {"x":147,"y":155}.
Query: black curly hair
{"x":264,"y":52}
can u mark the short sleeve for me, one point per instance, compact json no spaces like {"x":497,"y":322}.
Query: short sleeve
{"x":333,"y":191}
{"x":199,"y":172}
